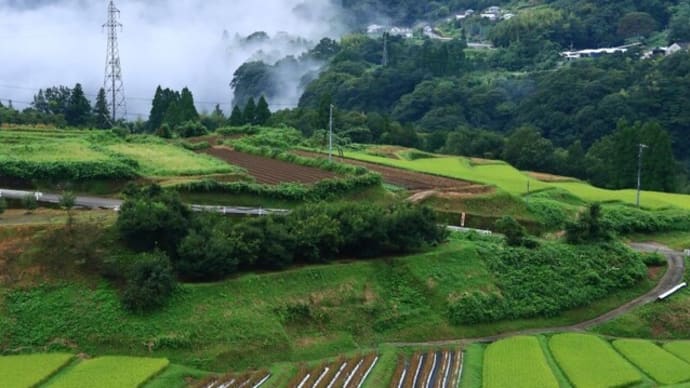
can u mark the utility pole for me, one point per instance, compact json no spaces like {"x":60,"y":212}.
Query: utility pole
{"x":330,"y":135}
{"x":113,"y":85}
{"x":639,"y":171}
{"x":385,"y":49}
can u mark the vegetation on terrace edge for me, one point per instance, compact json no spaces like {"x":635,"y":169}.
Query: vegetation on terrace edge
{"x":339,"y":306}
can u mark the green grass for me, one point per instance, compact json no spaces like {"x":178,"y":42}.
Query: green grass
{"x":661,"y":320}
{"x":675,"y":240}
{"x":168,"y":160}
{"x":589,"y":362}
{"x":355,"y":305}
{"x":110,"y":371}
{"x":382,"y":374}
{"x":175,"y":376}
{"x":29,"y":370}
{"x":657,"y":363}
{"x":472,"y":366}
{"x":680,"y":348}
{"x":517,"y":362}
{"x":67,"y":150}
{"x":509,"y":179}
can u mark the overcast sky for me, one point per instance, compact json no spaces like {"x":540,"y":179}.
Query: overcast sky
{"x":174,"y":43}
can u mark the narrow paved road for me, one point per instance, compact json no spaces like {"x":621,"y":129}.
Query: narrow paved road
{"x":673,"y":276}
{"x":114,"y":204}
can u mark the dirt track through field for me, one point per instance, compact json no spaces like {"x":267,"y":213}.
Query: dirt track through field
{"x":270,"y":171}
{"x":673,"y":276}
{"x":408,"y":179}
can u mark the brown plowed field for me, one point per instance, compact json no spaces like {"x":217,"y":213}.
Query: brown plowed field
{"x":408,"y":179}
{"x":270,"y":171}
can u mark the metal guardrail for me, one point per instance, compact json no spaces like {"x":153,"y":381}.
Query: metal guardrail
{"x":469,"y":230}
{"x":672,"y":291}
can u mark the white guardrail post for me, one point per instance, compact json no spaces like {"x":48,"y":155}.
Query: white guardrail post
{"x":687,"y":253}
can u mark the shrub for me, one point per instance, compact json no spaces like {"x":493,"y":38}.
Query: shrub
{"x":150,"y":283}
{"x":589,"y":228}
{"x":30,"y":203}
{"x":191,"y":129}
{"x":152,"y":218}
{"x":208,"y":252}
{"x":514,"y":232}
{"x":546,"y":281}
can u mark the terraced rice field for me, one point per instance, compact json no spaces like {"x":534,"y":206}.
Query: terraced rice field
{"x":109,"y":372}
{"x":517,"y":362}
{"x":434,"y":369}
{"x":680,"y":349}
{"x":657,"y":363}
{"x":342,"y":373}
{"x":30,"y":370}
{"x":168,"y":160}
{"x":590,"y":362}
{"x":270,"y":171}
{"x":404,"y":178}
{"x":250,"y":380}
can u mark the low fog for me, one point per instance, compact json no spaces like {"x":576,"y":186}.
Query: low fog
{"x":174,"y":43}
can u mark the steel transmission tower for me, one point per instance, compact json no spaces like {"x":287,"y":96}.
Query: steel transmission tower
{"x":385,"y":49}
{"x":113,"y":85}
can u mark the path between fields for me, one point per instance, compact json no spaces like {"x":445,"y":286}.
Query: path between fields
{"x":673,"y":276}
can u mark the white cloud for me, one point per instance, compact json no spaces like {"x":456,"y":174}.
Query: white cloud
{"x":174,"y":43}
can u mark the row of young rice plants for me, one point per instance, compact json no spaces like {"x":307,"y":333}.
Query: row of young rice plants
{"x":110,"y":372}
{"x":588,"y":361}
{"x":656,"y":362}
{"x":517,"y":362}
{"x":30,"y":370}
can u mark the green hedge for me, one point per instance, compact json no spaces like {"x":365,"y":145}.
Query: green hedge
{"x":75,"y":171}
{"x":323,"y":190}
{"x":627,"y":219}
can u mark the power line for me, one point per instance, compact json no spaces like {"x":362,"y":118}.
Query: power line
{"x":146,"y":99}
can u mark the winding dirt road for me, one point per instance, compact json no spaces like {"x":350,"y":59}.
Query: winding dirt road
{"x":673,"y":276}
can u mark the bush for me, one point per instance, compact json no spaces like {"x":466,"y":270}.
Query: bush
{"x":191,"y":129}
{"x":30,"y":203}
{"x":152,"y":218}
{"x":589,"y":228}
{"x":514,"y":232}
{"x":654,"y":260}
{"x":549,"y":280}
{"x":150,"y":283}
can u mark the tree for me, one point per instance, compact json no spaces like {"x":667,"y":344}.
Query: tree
{"x":263,"y":113}
{"x":236,"y":118}
{"x":101,"y":112}
{"x":679,"y":27}
{"x":78,"y":112}
{"x":527,"y":149}
{"x":150,"y":283}
{"x":589,"y":227}
{"x":636,"y":24}
{"x":67,"y":201}
{"x":249,"y":113}
{"x":187,"y":110}
{"x":514,"y":232}
{"x":153,"y":218}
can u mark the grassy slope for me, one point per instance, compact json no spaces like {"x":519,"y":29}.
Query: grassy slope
{"x":155,"y":156}
{"x":513,"y":181}
{"x":237,"y":324}
{"x":661,"y":320}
